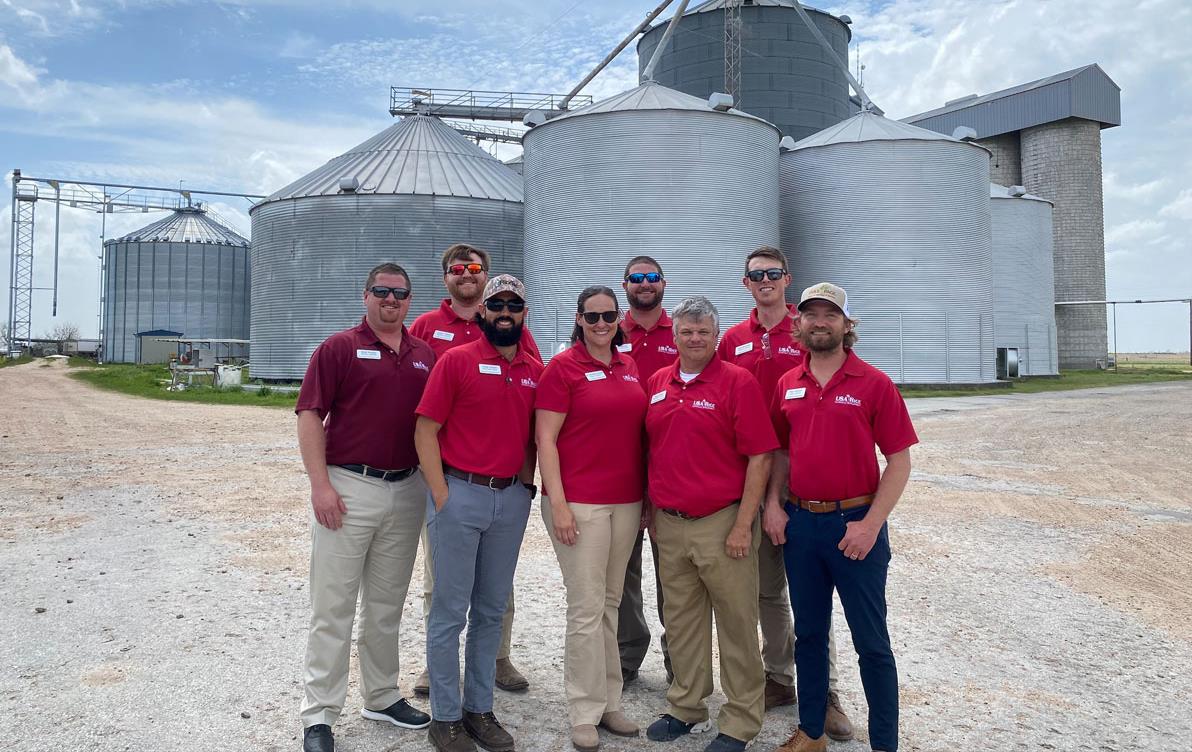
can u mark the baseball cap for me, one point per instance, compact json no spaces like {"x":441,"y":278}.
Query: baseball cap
{"x":504,"y":283}
{"x":829,"y":292}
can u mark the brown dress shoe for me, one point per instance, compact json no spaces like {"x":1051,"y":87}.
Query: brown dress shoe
{"x":836,"y":723}
{"x":422,"y":685}
{"x":617,"y":724}
{"x":585,"y":738}
{"x":509,"y":678}
{"x":488,"y":732}
{"x":778,"y":695}
{"x":801,"y":742}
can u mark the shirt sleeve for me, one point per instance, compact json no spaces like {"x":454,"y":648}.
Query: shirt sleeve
{"x":323,"y":376}
{"x":782,"y":426}
{"x":419,"y":327}
{"x":754,"y":431}
{"x":554,"y":391}
{"x":439,"y":394}
{"x":892,"y":427}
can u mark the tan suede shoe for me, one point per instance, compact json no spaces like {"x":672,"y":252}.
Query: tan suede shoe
{"x":585,"y":738}
{"x":509,"y":678}
{"x":836,"y":723}
{"x":801,"y":742}
{"x":618,"y":724}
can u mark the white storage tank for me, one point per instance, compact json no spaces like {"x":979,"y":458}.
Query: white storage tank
{"x":899,"y":216}
{"x":654,"y":172}
{"x":1024,"y":279}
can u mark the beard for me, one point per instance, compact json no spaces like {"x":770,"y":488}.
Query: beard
{"x":501,"y":337}
{"x":637,"y":304}
{"x":821,"y":344}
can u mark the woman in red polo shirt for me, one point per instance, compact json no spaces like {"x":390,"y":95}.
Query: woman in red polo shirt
{"x":590,"y":412}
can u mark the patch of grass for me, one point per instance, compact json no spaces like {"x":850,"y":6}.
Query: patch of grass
{"x":6,"y":362}
{"x":1067,"y":380}
{"x":151,"y":382}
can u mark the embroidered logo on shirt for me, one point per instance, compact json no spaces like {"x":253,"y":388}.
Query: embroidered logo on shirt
{"x":668,"y":350}
{"x":421,"y":366}
{"x":529,"y":383}
{"x":788,"y":350}
{"x":629,"y":377}
{"x":704,"y":405}
{"x":847,"y":399}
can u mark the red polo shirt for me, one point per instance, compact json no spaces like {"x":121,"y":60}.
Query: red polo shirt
{"x":443,"y":330}
{"x":600,"y":444}
{"x":765,"y":354}
{"x":485,"y":404}
{"x":651,"y":349}
{"x":701,"y":435}
{"x":367,"y":393}
{"x":831,"y":432}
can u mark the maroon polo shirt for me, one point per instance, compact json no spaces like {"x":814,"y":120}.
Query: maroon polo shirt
{"x":600,"y":443}
{"x":367,"y":393}
{"x":766,"y":354}
{"x":830,"y":433}
{"x":443,"y":330}
{"x":651,"y":349}
{"x":701,"y":435}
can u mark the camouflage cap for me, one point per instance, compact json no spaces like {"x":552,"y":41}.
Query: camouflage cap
{"x":504,"y":283}
{"x":829,"y":292}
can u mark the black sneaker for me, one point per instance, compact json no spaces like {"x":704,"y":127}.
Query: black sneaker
{"x":318,"y":738}
{"x":401,"y":714}
{"x":725,"y":743}
{"x":488,"y":732}
{"x":668,"y":728}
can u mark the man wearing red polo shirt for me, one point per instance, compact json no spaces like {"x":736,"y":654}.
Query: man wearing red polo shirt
{"x":650,"y":343}
{"x":474,"y":444}
{"x":830,"y":413}
{"x":765,"y":344}
{"x":708,"y":463}
{"x":356,"y":434}
{"x":452,"y":324}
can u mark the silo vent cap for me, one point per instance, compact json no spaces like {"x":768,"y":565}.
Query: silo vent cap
{"x":1017,"y":190}
{"x":964,"y":133}
{"x":720,"y":102}
{"x":786,"y":144}
{"x":847,"y":20}
{"x":534,"y":118}
{"x":349,"y":184}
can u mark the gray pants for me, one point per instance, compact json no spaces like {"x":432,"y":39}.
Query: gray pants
{"x":633,"y":633}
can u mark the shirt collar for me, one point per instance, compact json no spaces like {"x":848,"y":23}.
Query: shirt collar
{"x":449,"y":312}
{"x":488,"y":352}
{"x":367,"y":336}
{"x":584,"y":356}
{"x":851,"y":367}
{"x":713,"y":367}
{"x":664,"y":322}
{"x":781,"y":327}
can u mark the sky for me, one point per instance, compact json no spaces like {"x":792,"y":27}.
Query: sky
{"x":246,"y":95}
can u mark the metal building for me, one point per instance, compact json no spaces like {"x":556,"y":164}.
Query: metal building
{"x":787,"y":78}
{"x":899,"y":216}
{"x":650,"y":171}
{"x":186,"y":273}
{"x":1046,"y":136}
{"x":404,"y":195}
{"x":1023,"y":281}
{"x":515,"y":164}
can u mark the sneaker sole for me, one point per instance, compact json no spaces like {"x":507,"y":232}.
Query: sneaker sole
{"x":698,"y":728}
{"x":372,"y":715}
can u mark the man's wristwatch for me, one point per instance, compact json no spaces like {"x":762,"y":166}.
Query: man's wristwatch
{"x":533,"y":489}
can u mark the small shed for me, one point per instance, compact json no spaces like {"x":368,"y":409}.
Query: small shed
{"x":156,"y":345}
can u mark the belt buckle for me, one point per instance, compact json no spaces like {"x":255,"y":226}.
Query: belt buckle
{"x":490,"y":485}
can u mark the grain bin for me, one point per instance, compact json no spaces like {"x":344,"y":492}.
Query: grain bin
{"x":899,"y":216}
{"x":186,"y":273}
{"x":1023,"y":279}
{"x":404,"y":195}
{"x":787,"y":77}
{"x":651,"y":171}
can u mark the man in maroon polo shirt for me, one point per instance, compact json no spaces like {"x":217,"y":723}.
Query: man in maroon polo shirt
{"x":356,"y":434}
{"x":452,"y":324}
{"x":708,"y":464}
{"x":652,"y":346}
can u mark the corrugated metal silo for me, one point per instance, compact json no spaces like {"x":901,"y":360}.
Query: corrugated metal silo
{"x":186,"y":273}
{"x":650,"y":171}
{"x":786,"y":76}
{"x":899,"y":216}
{"x":1023,"y":279}
{"x":404,"y":196}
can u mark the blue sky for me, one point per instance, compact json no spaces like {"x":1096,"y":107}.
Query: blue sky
{"x":246,"y":96}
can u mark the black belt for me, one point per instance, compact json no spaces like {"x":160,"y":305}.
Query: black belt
{"x":685,"y":516}
{"x":481,"y":480}
{"x":375,"y":472}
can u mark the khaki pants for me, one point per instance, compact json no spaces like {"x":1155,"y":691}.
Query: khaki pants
{"x":776,"y":616}
{"x":372,"y":556}
{"x":701,"y":581}
{"x":428,"y":589}
{"x":594,"y":573}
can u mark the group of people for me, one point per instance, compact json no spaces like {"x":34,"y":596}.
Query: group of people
{"x":747,"y":460}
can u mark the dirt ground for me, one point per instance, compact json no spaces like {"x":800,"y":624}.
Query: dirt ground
{"x":153,"y":557}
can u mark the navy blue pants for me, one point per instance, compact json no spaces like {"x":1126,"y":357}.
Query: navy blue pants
{"x":814,"y":568}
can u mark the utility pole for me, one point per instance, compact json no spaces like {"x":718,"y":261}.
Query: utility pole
{"x":732,"y":50}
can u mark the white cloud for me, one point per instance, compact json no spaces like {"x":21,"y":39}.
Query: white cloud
{"x":1180,"y":207}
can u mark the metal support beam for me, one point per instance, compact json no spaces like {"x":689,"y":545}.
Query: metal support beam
{"x":648,"y":73}
{"x":616,"y":51}
{"x":21,"y":324}
{"x":732,"y":49}
{"x":475,"y":105}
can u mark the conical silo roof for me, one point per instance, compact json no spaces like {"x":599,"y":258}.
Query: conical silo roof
{"x":189,"y":224}
{"x":418,"y":155}
{"x":868,"y":126}
{"x":649,"y":95}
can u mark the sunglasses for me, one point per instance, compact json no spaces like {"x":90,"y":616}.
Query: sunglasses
{"x":638,"y":277}
{"x":459,"y":269}
{"x":496,"y":305}
{"x":399,"y":293}
{"x":591,"y":317}
{"x":757,"y":275}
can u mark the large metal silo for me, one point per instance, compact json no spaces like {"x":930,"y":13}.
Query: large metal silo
{"x":787,"y":77}
{"x":403,"y":196}
{"x":651,"y":171}
{"x":900,"y":217}
{"x":1023,"y":279}
{"x":186,"y":273}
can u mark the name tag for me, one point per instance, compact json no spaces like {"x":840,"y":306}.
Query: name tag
{"x":369,"y":354}
{"x":658,"y":397}
{"x":489,"y":368}
{"x":796,"y":393}
{"x":743,"y":348}
{"x":595,"y":375}
{"x":625,"y":347}
{"x":440,"y":334}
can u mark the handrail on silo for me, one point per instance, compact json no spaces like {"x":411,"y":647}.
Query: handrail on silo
{"x":616,"y":51}
{"x":648,"y":73}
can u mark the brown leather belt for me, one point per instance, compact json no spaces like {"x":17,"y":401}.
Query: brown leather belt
{"x":481,"y":480}
{"x":820,"y":507}
{"x":685,"y":516}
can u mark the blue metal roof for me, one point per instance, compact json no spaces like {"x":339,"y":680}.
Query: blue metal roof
{"x":1086,"y":92}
